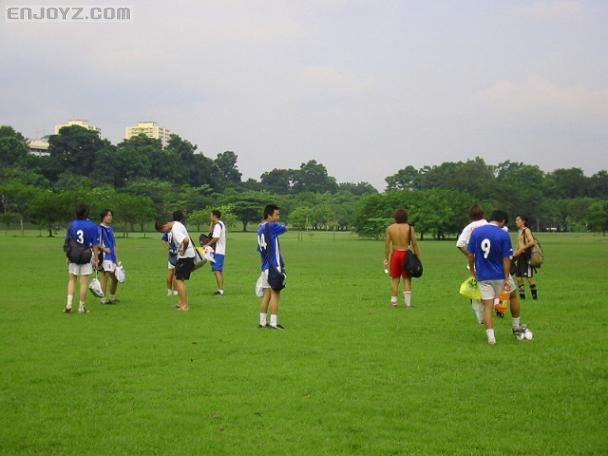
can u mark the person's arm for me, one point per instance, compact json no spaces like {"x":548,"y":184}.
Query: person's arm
{"x":387,"y":246}
{"x":217,"y":231}
{"x":528,"y":241}
{"x":414,"y":242}
{"x":471,"y":258}
{"x":184,"y":245}
{"x":463,"y":240}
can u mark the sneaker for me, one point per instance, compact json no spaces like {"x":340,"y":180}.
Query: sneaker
{"x":183,"y":308}
{"x":169,"y":292}
{"x":83,"y":310}
{"x":492,"y":341}
{"x":262,"y":326}
{"x":67,"y":310}
{"x":275,"y":327}
{"x":520,"y":332}
{"x":218,"y":293}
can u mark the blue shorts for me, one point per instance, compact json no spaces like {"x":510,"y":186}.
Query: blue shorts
{"x":219,"y":263}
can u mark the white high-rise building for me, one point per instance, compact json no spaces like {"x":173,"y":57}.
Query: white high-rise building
{"x":80,"y":122}
{"x":151,"y":130}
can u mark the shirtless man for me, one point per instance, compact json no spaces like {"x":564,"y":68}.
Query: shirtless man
{"x":398,"y":238}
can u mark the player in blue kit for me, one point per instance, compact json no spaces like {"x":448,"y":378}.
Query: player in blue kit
{"x":490,"y":254}
{"x":85,"y":234}
{"x":270,"y":252}
{"x":110,"y":257}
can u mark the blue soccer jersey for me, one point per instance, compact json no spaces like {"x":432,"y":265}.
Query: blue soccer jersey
{"x":106,"y":237}
{"x":490,"y":245}
{"x":84,"y":232}
{"x":269,"y":248}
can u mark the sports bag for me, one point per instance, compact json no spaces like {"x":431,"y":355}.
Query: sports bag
{"x":412,"y":263}
{"x":75,"y":252}
{"x":537,"y":256}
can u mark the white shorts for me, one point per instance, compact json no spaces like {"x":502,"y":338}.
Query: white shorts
{"x":80,"y":269}
{"x":263,"y":279}
{"x":490,"y":289}
{"x":108,"y":266}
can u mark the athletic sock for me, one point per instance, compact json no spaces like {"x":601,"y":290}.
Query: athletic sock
{"x":262,"y":319}
{"x":169,"y":292}
{"x":534,"y":291}
{"x":407,"y":297}
{"x":394,"y":300}
{"x":273,"y":320}
{"x":81,"y":305}
{"x":522,"y":292}
{"x":491,"y":336}
{"x":68,"y":304}
{"x":515,"y":322}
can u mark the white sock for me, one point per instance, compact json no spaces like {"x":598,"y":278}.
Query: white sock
{"x":515,"y":322}
{"x":407,"y":296}
{"x":490,"y":334}
{"x":262,"y":319}
{"x":394,"y":300}
{"x":68,"y":305}
{"x":81,"y":304}
{"x":273,"y":320}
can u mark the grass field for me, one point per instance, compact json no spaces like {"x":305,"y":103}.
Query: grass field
{"x":349,"y":375}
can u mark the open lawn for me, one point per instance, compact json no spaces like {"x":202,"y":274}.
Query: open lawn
{"x":349,"y":375}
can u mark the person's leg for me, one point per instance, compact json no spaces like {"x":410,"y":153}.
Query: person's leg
{"x":532,"y":285}
{"x":478,"y":309}
{"x":488,"y":308}
{"x":219,"y":280}
{"x":170,"y":282}
{"x":521,"y":287}
{"x":104,"y":286}
{"x":394,"y":290}
{"x":180,"y":285}
{"x":264,"y":303}
{"x":275,"y":297}
{"x":71,"y":288}
{"x":84,"y":289}
{"x":407,"y":291}
{"x":113,"y":288}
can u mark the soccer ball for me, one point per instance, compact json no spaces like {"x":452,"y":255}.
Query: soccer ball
{"x":528,"y":335}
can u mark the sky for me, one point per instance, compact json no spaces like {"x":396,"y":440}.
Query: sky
{"x":364,"y":87}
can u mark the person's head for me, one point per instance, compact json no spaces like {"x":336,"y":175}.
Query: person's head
{"x":475,"y":212}
{"x":216,"y":215}
{"x":179,"y":216}
{"x":272,"y":212}
{"x":400,"y":216}
{"x":163,"y":226}
{"x":500,"y":218}
{"x":82,"y":212}
{"x":106,"y":216}
{"x":521,"y":221}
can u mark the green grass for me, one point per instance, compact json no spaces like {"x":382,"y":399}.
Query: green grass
{"x":350,"y":375}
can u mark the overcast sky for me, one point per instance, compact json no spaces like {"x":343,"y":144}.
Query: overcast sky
{"x":364,"y":87}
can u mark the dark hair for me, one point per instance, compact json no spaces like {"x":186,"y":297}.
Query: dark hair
{"x":159,"y":224}
{"x":179,"y":216}
{"x":217,"y":213}
{"x":499,"y":216}
{"x":82,"y":212}
{"x":105,"y":212}
{"x":524,"y":218}
{"x":269,"y":210}
{"x":401,"y":216}
{"x":475,"y":212}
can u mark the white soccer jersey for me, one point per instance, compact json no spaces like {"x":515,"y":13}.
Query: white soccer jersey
{"x":219,"y":231}
{"x":180,"y":233}
{"x":465,"y":236}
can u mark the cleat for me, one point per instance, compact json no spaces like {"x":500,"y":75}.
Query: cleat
{"x":275,"y":327}
{"x":83,"y":310}
{"x":67,"y":310}
{"x":262,"y":326}
{"x":217,"y":293}
{"x":491,"y":341}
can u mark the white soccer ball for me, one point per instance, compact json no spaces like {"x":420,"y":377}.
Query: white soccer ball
{"x":528,"y":334}
{"x":520,"y":336}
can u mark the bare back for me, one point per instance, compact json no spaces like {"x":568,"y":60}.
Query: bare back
{"x":399,"y":235}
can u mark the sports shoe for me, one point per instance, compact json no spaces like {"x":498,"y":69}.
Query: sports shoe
{"x":520,"y":332}
{"x":492,"y":341}
{"x":169,"y":292}
{"x":262,"y":326}
{"x":217,"y":293}
{"x":83,"y":310}
{"x":275,"y":327}
{"x":67,"y":310}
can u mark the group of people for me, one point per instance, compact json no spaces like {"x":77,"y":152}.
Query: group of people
{"x":491,"y":261}
{"x":101,"y":242}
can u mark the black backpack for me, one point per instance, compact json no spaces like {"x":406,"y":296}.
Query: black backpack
{"x":76,"y":252}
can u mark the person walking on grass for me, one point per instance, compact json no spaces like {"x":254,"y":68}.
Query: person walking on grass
{"x":109,"y":257}
{"x":82,"y":243}
{"x":185,"y":255}
{"x":218,"y":243}
{"x":399,"y":236}
{"x":525,"y":242}
{"x":270,"y":252}
{"x":490,"y":253}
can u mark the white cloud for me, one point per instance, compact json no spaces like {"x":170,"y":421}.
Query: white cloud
{"x":540,"y":94}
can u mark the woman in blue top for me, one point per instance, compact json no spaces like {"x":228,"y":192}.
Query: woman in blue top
{"x":110,"y":257}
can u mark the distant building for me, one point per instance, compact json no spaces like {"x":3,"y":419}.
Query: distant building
{"x":39,"y":146}
{"x":80,"y":122}
{"x":151,"y":130}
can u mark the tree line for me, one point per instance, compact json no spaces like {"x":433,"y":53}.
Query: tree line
{"x":140,"y":180}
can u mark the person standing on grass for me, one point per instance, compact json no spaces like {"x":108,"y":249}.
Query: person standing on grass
{"x":525,"y":242}
{"x":398,"y":238}
{"x":270,"y":252}
{"x":85,"y":233}
{"x":167,"y":241}
{"x":218,"y":242}
{"x":185,"y":255}
{"x":490,"y":253}
{"x":110,"y":257}
{"x":477,"y":220}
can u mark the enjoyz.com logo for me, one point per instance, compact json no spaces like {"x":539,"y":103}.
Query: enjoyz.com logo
{"x":67,"y":13}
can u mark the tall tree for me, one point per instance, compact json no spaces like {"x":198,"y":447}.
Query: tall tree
{"x":228,"y":170}
{"x":13,"y":147}
{"x":75,"y":149}
{"x":313,"y":177}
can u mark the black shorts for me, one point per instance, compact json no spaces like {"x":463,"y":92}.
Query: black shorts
{"x":183,"y":268}
{"x":522,"y":267}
